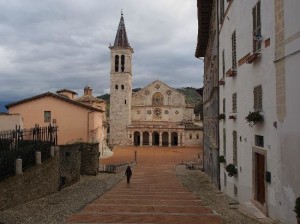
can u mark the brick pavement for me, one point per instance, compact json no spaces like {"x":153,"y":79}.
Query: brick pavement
{"x":154,"y":194}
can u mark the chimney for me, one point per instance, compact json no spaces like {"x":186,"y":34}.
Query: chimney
{"x":88,"y":91}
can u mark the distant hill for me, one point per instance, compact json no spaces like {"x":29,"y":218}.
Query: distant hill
{"x":191,"y":96}
{"x":2,"y":106}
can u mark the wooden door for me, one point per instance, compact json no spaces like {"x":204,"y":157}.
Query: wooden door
{"x":260,"y":178}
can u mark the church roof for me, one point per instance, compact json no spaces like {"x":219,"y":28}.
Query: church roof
{"x":121,"y":39}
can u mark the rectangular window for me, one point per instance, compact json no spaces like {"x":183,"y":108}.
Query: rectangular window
{"x":234,"y":147}
{"x":256,"y":27}
{"x":122,"y":86}
{"x":257,"y":92}
{"x":47,"y":116}
{"x":222,"y":10}
{"x":259,"y":140}
{"x":116,"y":86}
{"x":224,"y":106}
{"x":234,"y":102}
{"x":233,"y":39}
{"x":223,"y":63}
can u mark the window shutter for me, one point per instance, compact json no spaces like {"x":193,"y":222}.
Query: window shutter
{"x":234,"y":147}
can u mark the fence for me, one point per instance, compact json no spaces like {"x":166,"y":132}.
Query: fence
{"x":23,"y":143}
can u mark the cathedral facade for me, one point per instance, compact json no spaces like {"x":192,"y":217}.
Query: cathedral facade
{"x":156,"y":115}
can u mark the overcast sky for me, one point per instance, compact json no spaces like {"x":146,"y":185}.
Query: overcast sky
{"x":47,"y":45}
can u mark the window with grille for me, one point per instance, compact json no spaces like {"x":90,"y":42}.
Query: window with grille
{"x":234,"y":102}
{"x":233,"y":39}
{"x":47,"y":116}
{"x":258,"y":98}
{"x":224,"y":105}
{"x":223,"y":63}
{"x":256,"y":27}
{"x":259,"y":140}
{"x":234,"y":147}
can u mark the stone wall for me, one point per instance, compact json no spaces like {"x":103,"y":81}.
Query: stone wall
{"x":70,"y":162}
{"x":52,"y":175}
{"x":90,"y":159}
{"x":35,"y":182}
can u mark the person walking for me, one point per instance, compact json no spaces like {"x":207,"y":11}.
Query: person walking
{"x":128,"y":173}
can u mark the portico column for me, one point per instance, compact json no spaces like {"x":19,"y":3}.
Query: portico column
{"x":141,"y":138}
{"x":160,"y":138}
{"x":169,"y":138}
{"x":150,"y":138}
{"x":182,"y":139}
{"x":132,"y":138}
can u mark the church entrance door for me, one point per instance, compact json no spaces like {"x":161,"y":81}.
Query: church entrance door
{"x":155,"y":138}
{"x":137,"y":138}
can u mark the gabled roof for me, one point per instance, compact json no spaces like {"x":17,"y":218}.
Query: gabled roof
{"x":158,"y":82}
{"x":121,"y":37}
{"x":204,"y":14}
{"x":89,"y":99}
{"x":57,"y":96}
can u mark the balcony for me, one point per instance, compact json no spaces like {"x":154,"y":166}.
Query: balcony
{"x":253,"y":57}
{"x":231,"y":72}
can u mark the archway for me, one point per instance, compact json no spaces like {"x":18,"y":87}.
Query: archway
{"x":165,"y":139}
{"x":137,"y":138}
{"x":145,"y":138}
{"x":155,"y":138}
{"x":174,"y":139}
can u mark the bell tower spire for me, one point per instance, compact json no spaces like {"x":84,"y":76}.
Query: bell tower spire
{"x":120,"y":86}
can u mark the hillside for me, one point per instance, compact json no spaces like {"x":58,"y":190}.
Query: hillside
{"x":191,"y":95}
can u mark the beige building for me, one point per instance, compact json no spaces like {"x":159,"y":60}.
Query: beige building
{"x":78,"y":119}
{"x":155,"y":115}
{"x":10,"y":121}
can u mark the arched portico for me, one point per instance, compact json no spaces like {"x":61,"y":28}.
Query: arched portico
{"x":174,"y":139}
{"x":165,"y":139}
{"x":155,"y":138}
{"x":146,"y":136}
{"x":137,"y":138}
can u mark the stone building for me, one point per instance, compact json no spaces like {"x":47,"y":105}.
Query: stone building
{"x":258,"y":56}
{"x":207,"y":47}
{"x":155,"y":115}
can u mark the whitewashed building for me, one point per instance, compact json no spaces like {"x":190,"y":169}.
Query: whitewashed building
{"x":259,"y":52}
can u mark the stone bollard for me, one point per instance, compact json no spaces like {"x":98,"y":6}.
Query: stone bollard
{"x":56,"y":151}
{"x":52,"y":151}
{"x":19,"y":166}
{"x":38,"y":157}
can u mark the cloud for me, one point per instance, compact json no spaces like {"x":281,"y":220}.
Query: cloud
{"x":52,"y":44}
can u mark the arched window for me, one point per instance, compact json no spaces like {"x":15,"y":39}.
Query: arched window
{"x":157,"y":99}
{"x":122,"y":63}
{"x":116,"y":63}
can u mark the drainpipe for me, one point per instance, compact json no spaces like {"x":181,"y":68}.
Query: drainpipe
{"x":88,"y":125}
{"x":218,"y":60}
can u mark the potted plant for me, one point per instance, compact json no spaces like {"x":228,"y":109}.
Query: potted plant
{"x":222,"y":159}
{"x":297,"y":209}
{"x":231,"y":169}
{"x":221,"y":116}
{"x":253,"y":118}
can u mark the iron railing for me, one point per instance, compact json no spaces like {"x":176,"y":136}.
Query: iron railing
{"x":23,"y":143}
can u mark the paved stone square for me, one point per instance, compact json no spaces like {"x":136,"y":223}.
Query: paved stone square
{"x":154,"y":194}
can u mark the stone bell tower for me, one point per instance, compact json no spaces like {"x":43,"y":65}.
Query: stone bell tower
{"x":120,"y":86}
